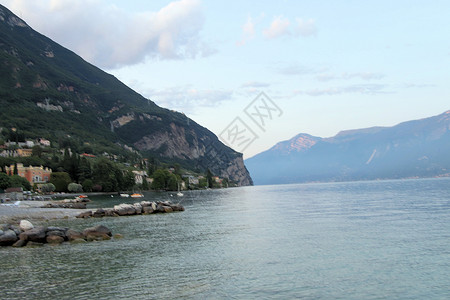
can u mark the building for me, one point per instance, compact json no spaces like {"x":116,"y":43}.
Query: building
{"x":139,"y":176}
{"x":24,"y":152}
{"x":44,"y":142}
{"x":32,"y":174}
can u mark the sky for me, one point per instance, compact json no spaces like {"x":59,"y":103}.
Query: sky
{"x":259,"y":72}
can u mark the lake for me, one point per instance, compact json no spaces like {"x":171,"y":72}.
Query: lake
{"x":352,"y":240}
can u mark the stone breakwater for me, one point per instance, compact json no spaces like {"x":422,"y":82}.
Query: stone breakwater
{"x":27,"y":235}
{"x":140,"y":208}
{"x":77,"y":203}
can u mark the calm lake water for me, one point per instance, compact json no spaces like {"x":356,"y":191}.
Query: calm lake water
{"x":357,"y":240}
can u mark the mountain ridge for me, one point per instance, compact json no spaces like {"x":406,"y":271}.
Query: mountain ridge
{"x":48,"y":91}
{"x":415,"y":148}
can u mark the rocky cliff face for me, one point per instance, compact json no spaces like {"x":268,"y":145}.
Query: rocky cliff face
{"x":187,"y":143}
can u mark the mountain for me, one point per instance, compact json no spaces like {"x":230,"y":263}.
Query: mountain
{"x":47,"y":91}
{"x":418,"y":148}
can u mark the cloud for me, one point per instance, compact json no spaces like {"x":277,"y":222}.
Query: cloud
{"x":255,"y":84}
{"x":368,"y":89}
{"x":278,"y":28}
{"x":248,"y":32}
{"x":305,"y":27}
{"x":296,"y":69}
{"x":188,"y":99}
{"x":110,"y":37}
{"x":346,"y":76}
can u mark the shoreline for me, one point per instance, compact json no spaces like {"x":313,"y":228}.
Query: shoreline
{"x":33,"y":211}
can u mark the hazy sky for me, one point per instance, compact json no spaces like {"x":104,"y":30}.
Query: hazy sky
{"x":326,"y":66}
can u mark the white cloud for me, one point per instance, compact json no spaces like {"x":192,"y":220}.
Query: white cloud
{"x":369,"y":89}
{"x":248,"y":32}
{"x":188,"y":99}
{"x":109,"y":37}
{"x":255,"y":84}
{"x":279,"y":27}
{"x":305,"y":27}
{"x":346,"y":76}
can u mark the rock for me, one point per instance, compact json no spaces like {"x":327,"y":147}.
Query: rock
{"x":16,"y":229}
{"x":73,"y":235}
{"x":124,"y":209}
{"x":177,"y":207}
{"x":97,"y":237}
{"x":167,"y":209}
{"x":86,"y":214}
{"x":98,"y":229}
{"x":153,"y":205}
{"x":109,"y":212}
{"x":53,"y":228}
{"x":19,"y":243}
{"x":99,"y":213}
{"x":147,"y":210}
{"x":8,"y":238}
{"x":1,"y":232}
{"x":32,"y":244}
{"x":160,"y":208}
{"x":146,"y":203}
{"x":54,"y":239}
{"x":36,"y":234}
{"x":137,"y":208}
{"x":25,"y":225}
{"x":78,"y":241}
{"x":118,"y":236}
{"x":59,"y":233}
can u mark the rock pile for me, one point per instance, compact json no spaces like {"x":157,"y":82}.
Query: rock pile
{"x":144,"y":207}
{"x":27,"y":235}
{"x":77,"y":205}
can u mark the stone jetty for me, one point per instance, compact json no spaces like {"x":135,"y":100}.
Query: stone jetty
{"x":140,"y":208}
{"x":25,"y":234}
{"x":76,"y":203}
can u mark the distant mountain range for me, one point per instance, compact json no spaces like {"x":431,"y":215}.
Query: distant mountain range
{"x":419,"y":148}
{"x":47,"y":91}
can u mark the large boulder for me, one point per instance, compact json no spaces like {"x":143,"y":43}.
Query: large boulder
{"x":146,"y":203}
{"x":36,"y":234}
{"x":54,"y":239}
{"x":86,"y":214}
{"x":25,"y":225}
{"x":74,"y":235}
{"x":137,"y":208}
{"x":147,"y":210}
{"x":99,"y":213}
{"x":124,"y":209}
{"x":8,"y":237}
{"x":98,"y":232}
{"x":177,"y":207}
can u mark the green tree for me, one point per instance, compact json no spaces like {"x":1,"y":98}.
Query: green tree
{"x":107,"y":175}
{"x":61,"y":180}
{"x":172,"y":182}
{"x":209,"y":179}
{"x":15,"y":170}
{"x":17,"y":181}
{"x":159,"y":180}
{"x":84,"y":170}
{"x":145,"y":186}
{"x":37,"y":151}
{"x":87,"y":185}
{"x":48,"y":188}
{"x":128,"y":180}
{"x":5,"y":181}
{"x":74,"y":187}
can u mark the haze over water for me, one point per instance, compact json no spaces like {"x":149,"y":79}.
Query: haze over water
{"x":356,"y":240}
